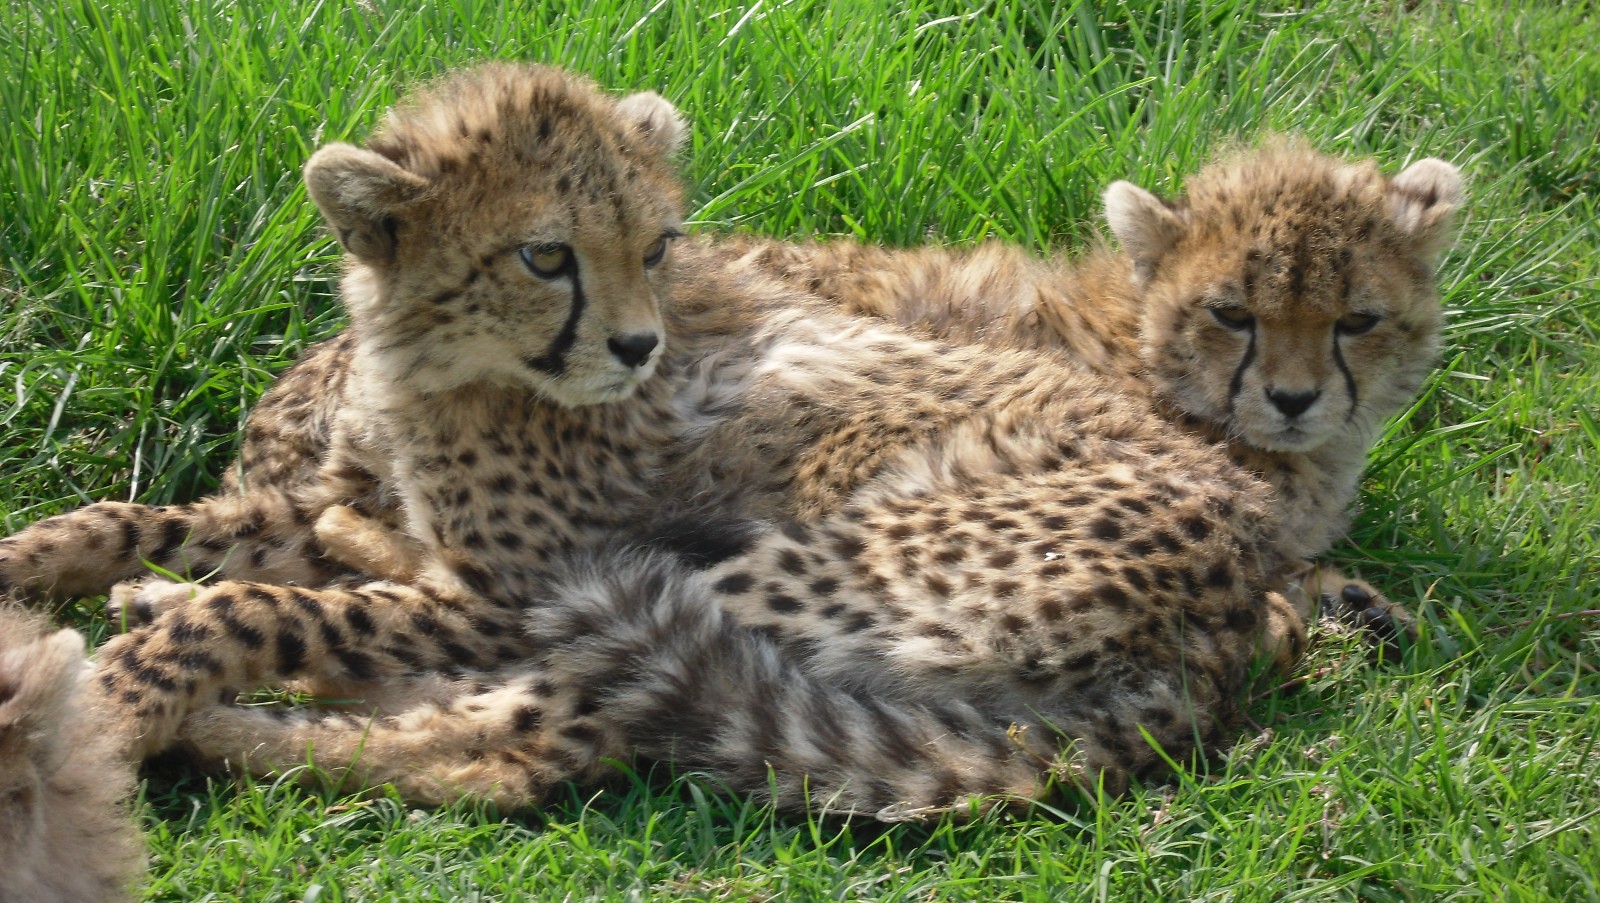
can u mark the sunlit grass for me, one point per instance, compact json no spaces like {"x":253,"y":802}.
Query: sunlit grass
{"x":159,"y":263}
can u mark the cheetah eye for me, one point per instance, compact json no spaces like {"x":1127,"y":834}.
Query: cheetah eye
{"x":546,"y":261}
{"x":656,"y":254}
{"x":1233,"y":316}
{"x":658,"y":251}
{"x":1356,"y":324}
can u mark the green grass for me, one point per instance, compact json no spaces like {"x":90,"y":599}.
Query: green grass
{"x":159,"y":263}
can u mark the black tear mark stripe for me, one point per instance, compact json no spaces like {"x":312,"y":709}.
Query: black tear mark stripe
{"x":1235,"y":384}
{"x":554,"y":359}
{"x":1349,"y":379}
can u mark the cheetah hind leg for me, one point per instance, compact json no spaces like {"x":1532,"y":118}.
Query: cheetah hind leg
{"x":85,"y":552}
{"x":507,"y":744}
{"x":1385,"y":625}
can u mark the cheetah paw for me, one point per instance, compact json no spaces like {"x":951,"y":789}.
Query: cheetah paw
{"x":133,"y":603}
{"x":1386,"y":626}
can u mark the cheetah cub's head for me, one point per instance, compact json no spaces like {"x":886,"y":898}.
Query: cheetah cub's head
{"x":1289,"y":297}
{"x":510,"y":225}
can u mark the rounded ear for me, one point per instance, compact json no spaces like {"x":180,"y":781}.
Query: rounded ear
{"x":1146,"y":225}
{"x":656,"y":119}
{"x":360,"y":194}
{"x":1422,"y":202}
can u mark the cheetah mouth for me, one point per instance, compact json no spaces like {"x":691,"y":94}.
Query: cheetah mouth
{"x":1289,"y":438}
{"x":613,"y":390}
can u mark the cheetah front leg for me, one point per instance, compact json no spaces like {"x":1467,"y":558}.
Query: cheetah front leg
{"x":357,"y":541}
{"x":239,"y":636}
{"x":263,"y":537}
{"x":1386,"y":625}
{"x":508,"y":744}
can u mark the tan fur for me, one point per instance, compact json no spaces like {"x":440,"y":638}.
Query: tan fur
{"x":895,"y":572}
{"x":1294,"y":239}
{"x":64,"y":834}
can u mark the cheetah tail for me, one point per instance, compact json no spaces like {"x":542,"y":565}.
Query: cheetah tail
{"x":682,"y":681}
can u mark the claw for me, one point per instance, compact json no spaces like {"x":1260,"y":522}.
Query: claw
{"x":1383,"y":633}
{"x":1378,"y":621}
{"x":1355,"y":596}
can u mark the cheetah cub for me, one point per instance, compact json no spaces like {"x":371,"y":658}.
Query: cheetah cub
{"x":1284,"y":305}
{"x":64,"y":835}
{"x":514,"y":379}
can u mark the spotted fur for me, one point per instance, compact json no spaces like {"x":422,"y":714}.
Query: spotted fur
{"x":1284,"y":305}
{"x":954,"y":571}
{"x":501,"y":414}
{"x":1007,"y":537}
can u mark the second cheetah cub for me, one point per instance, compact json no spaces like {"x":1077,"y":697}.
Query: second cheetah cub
{"x":1285,"y":305}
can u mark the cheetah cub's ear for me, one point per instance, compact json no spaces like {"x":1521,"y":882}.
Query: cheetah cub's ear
{"x":362,"y":195}
{"x":1422,"y":202}
{"x":1146,"y":225}
{"x":656,"y":120}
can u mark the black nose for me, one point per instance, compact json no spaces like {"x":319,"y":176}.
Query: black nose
{"x":1293,"y":404}
{"x":635,"y":349}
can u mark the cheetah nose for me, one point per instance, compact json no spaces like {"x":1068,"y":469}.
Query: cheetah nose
{"x":635,"y":349}
{"x":1293,"y":404}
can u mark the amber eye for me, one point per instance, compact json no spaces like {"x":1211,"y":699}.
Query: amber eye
{"x":1233,"y":316}
{"x":1356,"y":324}
{"x":546,"y":261}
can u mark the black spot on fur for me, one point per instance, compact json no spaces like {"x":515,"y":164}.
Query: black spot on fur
{"x":173,"y":533}
{"x":790,"y":562}
{"x":783,"y":603}
{"x":1111,"y":595}
{"x":734,"y":584}
{"x":1106,"y":529}
{"x":242,"y":633}
{"x":796,"y":532}
{"x":291,"y":653}
{"x":858,"y":621}
{"x":185,"y":632}
{"x":1220,"y":576}
{"x":526,"y":719}
{"x":358,"y":665}
{"x":360,"y":622}
{"x":849,"y":546}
